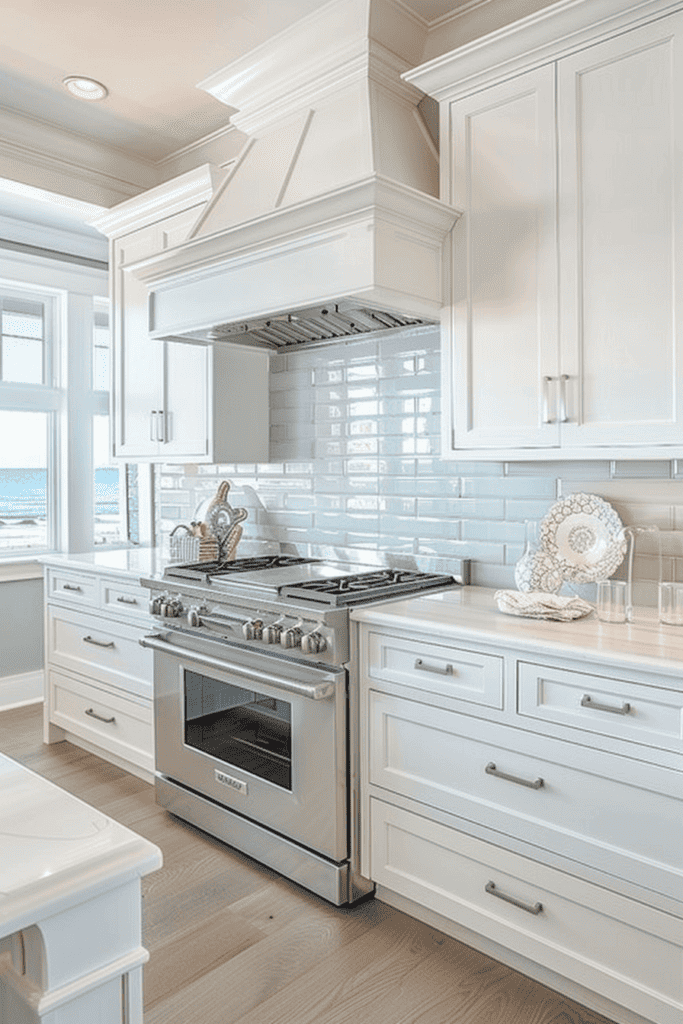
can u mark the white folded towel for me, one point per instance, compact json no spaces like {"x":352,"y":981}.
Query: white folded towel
{"x":536,"y":605}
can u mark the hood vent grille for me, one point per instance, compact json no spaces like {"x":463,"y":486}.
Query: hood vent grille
{"x":315,"y":324}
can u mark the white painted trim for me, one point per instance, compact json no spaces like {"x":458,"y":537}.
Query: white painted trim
{"x":540,"y":38}
{"x":173,"y":196}
{"x":12,"y":571}
{"x":19,"y":690}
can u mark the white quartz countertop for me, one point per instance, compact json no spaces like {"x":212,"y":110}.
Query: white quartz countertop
{"x":133,"y":562}
{"x":471,"y":613}
{"x":56,"y":850}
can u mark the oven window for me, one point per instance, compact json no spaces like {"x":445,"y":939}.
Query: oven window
{"x":240,"y":727}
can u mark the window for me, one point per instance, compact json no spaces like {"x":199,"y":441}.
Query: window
{"x":29,"y":403}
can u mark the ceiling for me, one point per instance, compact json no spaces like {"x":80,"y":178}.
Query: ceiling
{"x":149,"y":53}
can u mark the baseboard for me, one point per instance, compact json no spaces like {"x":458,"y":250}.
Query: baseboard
{"x":17,"y":691}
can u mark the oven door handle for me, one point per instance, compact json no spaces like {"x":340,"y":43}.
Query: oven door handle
{"x":314,"y":691}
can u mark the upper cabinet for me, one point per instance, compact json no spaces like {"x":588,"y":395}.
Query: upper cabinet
{"x":564,"y":332}
{"x":173,"y":401}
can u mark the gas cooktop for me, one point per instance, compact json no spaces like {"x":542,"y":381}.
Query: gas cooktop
{"x":307,"y":579}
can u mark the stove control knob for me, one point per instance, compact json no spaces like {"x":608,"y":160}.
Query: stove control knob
{"x":194,"y":616}
{"x":291,"y":637}
{"x":313,"y":643}
{"x":155,"y":606}
{"x":272,"y":633}
{"x":253,"y":629}
{"x":171,"y":608}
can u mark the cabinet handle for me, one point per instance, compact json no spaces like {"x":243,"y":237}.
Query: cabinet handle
{"x":546,"y":399}
{"x":152,"y":426}
{"x":491,"y":769}
{"x":531,"y":908}
{"x":588,"y":702}
{"x":127,"y":600}
{"x":447,"y":671}
{"x":98,"y":643}
{"x":70,"y":586}
{"x":161,"y":426}
{"x":100,"y":718}
{"x":564,"y":418}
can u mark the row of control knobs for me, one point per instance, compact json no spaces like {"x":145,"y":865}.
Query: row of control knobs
{"x":170,"y":607}
{"x":291,"y":636}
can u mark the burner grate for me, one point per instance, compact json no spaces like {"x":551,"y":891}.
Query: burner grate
{"x":205,"y":571}
{"x":366,"y":586}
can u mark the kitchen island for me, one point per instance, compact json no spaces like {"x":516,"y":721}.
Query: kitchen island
{"x":522,"y":790}
{"x":70,"y":918}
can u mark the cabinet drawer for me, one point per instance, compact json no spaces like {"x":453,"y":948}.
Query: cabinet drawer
{"x":619,"y":816}
{"x":72,"y":588}
{"x":124,"y":599}
{"x":106,"y":719}
{"x":623,"y":949}
{"x":625,"y":711}
{"x":101,"y":648}
{"x":436,"y":668}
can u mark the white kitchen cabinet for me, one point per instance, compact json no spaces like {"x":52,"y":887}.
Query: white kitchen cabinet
{"x":98,"y":679}
{"x":174,"y":401}
{"x":559,"y":143}
{"x":522,"y":790}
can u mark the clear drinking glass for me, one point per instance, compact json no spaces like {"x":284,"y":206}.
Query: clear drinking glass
{"x":671,"y":604}
{"x":612,"y":600}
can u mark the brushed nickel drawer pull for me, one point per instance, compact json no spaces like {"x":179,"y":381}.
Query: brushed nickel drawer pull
{"x":588,"y":702}
{"x":98,"y":643}
{"x":447,"y":671}
{"x":531,"y":908}
{"x":491,"y":769}
{"x":127,"y":600}
{"x":100,"y":718}
{"x":70,"y":586}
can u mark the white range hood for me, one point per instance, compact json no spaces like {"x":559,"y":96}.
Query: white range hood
{"x":328,"y":224}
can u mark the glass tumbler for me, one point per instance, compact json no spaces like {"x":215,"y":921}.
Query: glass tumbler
{"x":671,"y":604}
{"x":612,"y":600}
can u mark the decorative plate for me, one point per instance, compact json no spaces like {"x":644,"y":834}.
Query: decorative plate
{"x":586,"y":537}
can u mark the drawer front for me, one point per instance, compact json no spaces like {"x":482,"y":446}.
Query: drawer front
{"x":625,"y":711}
{"x":617,"y":815}
{"x":128,"y":600}
{"x":72,"y":588}
{"x":112,"y":722}
{"x":105,"y":650}
{"x":605,"y":942}
{"x":438,"y":669}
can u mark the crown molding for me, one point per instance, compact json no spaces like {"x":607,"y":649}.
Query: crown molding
{"x":189,"y":189}
{"x":539,"y":38}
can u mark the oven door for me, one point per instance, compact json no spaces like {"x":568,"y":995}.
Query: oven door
{"x":262,"y":735}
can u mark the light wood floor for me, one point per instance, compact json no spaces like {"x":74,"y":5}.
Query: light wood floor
{"x":233,"y":943}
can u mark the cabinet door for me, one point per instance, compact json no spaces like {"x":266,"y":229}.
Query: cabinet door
{"x":620,"y":109}
{"x":501,"y":363}
{"x":186,"y":400}
{"x":138,"y":370}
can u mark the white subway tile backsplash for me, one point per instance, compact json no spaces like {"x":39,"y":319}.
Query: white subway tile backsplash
{"x":355,"y":443}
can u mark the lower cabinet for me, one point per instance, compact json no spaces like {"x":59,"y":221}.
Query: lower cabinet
{"x":542,"y":823}
{"x":98,"y":677}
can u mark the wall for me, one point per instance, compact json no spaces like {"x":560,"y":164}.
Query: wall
{"x":355,"y":463}
{"x":21,"y":641}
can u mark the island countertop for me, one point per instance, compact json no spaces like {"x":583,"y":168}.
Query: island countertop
{"x":56,"y":850}
{"x":471,"y":614}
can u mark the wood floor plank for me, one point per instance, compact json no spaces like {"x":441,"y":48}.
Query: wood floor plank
{"x":232,"y":942}
{"x":193,"y":952}
{"x":246,"y":981}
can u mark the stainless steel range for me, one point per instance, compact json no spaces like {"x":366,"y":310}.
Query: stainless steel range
{"x":256,"y":713}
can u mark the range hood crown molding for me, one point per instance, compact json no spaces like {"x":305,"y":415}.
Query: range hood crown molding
{"x":375,"y":197}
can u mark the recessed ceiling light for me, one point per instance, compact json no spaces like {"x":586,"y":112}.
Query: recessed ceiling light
{"x":85,"y":88}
